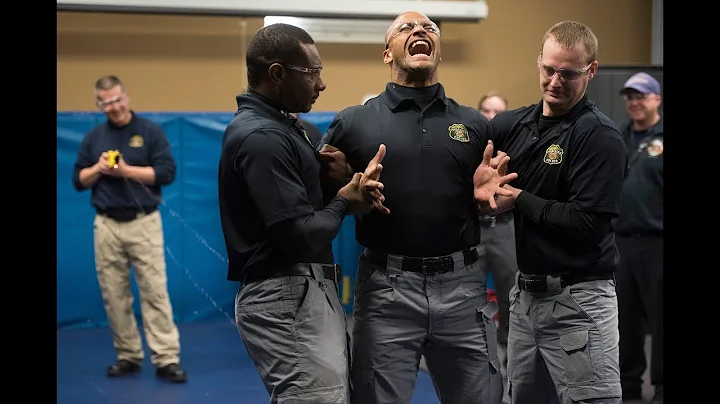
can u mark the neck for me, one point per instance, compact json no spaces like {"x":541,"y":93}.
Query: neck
{"x":646,"y":123}
{"x":269,"y":96}
{"x":124,"y":120}
{"x":418,"y":79}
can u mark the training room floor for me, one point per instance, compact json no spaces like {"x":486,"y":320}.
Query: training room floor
{"x":219,"y":371}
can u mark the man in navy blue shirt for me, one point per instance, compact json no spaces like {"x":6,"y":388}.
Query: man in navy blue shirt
{"x":126,"y":190}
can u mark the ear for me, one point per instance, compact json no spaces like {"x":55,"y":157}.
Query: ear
{"x":387,"y":56}
{"x":276,"y":73}
{"x":593,"y":69}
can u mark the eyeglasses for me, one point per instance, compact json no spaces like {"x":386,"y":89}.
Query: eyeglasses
{"x":429,"y":27}
{"x":313,"y":72}
{"x":635,"y":96}
{"x":106,"y":104}
{"x":565,"y":74}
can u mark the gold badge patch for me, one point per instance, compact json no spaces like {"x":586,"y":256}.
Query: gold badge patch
{"x":457,"y":131}
{"x":553,"y":155}
{"x":136,"y":141}
{"x":655,"y":148}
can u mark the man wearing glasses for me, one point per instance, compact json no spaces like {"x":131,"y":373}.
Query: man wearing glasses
{"x":278,"y":232}
{"x":420,"y":287}
{"x":563,"y":343}
{"x":126,"y":189}
{"x":640,"y":239}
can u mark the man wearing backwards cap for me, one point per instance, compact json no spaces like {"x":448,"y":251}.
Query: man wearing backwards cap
{"x":639,"y":231}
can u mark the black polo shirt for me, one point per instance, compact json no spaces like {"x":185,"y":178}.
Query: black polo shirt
{"x":431,"y":156}
{"x":269,"y":172}
{"x":642,"y":211}
{"x":582,"y":161}
{"x":141,"y":142}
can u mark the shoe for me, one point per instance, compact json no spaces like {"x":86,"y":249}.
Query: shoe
{"x":122,"y":367}
{"x":172,"y":373}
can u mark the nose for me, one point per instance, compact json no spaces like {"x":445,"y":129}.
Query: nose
{"x":555,"y":80}
{"x":321,"y":85}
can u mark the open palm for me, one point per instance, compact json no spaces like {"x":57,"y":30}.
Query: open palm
{"x":488,"y":181}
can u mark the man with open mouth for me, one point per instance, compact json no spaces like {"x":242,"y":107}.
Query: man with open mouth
{"x":420,"y":287}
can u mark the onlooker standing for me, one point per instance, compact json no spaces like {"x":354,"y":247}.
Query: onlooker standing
{"x":128,"y":229}
{"x":640,"y":239}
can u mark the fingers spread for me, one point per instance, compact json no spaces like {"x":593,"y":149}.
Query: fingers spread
{"x":487,"y":154}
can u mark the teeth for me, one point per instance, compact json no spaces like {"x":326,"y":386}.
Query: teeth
{"x":419,"y":42}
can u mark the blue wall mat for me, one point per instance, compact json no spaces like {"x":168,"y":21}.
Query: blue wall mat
{"x":195,"y":251}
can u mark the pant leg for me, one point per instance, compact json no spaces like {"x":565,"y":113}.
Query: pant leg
{"x":501,"y":261}
{"x":146,"y":249}
{"x":113,"y":274}
{"x":578,"y":338}
{"x":631,"y":316}
{"x":650,"y":275}
{"x":528,"y":377}
{"x":390,"y":324}
{"x":461,"y":346}
{"x":293,"y":328}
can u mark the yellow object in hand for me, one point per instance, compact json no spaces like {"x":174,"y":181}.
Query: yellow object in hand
{"x":113,"y":156}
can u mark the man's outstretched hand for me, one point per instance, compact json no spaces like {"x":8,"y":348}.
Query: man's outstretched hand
{"x":488,"y":181}
{"x":370,"y":185}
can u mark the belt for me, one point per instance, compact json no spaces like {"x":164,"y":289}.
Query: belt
{"x":125,"y":215}
{"x":427,"y":265}
{"x":330,"y":271}
{"x":539,"y":283}
{"x":639,"y":234}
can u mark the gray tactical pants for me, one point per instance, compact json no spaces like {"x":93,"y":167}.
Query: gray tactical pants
{"x":401,"y":315}
{"x":294,"y":329}
{"x":563,"y":345}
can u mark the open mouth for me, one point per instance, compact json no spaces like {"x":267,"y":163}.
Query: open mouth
{"x":420,"y":49}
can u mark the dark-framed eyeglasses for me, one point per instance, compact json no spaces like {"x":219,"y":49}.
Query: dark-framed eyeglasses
{"x":565,"y":74}
{"x":635,"y":95}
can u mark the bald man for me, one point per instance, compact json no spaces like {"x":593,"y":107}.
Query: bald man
{"x":420,"y":288}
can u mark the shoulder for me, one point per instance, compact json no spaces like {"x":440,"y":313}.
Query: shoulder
{"x":598,"y":126}
{"x":147,"y":124}
{"x":504,"y":121}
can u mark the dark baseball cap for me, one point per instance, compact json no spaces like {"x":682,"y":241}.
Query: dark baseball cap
{"x":643,"y":83}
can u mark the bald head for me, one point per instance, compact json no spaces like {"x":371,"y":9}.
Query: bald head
{"x":402,"y":18}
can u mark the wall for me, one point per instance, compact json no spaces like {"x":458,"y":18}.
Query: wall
{"x":188,"y":63}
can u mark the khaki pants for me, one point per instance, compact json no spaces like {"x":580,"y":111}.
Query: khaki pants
{"x":138,"y":243}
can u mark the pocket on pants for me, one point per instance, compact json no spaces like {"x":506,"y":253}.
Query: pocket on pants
{"x":486,"y":319}
{"x":303,"y":295}
{"x":577,"y":362}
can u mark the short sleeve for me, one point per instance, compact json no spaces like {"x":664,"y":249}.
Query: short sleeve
{"x":271,"y":169}
{"x":333,"y":135}
{"x":597,"y":171}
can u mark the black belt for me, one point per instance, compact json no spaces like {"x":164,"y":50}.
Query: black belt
{"x":639,"y":234}
{"x":427,"y":265}
{"x":330,"y":271}
{"x":125,"y":215}
{"x":538,"y":283}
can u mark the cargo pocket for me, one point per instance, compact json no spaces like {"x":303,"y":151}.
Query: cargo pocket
{"x":577,"y":362}
{"x":324,"y":395}
{"x":486,"y":320}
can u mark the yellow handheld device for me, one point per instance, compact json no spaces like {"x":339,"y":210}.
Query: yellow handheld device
{"x":113,"y":156}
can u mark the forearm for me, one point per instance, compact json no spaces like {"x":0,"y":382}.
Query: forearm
{"x":562,"y":215}
{"x":143,"y":175}
{"x":87,"y":177}
{"x":300,"y":238}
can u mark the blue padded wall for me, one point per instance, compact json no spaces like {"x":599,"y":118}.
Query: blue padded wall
{"x":195,"y":251}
